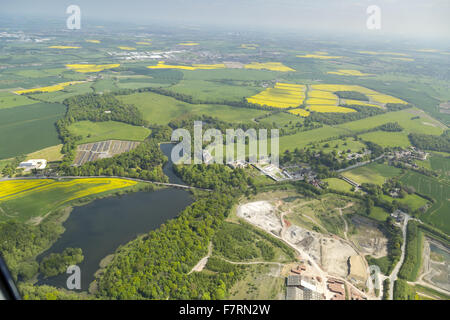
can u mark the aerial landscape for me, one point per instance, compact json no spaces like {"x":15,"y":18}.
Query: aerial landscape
{"x":355,"y":207}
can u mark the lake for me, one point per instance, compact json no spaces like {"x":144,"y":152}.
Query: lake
{"x":101,"y":226}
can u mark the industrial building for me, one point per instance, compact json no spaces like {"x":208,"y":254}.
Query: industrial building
{"x":33,"y":164}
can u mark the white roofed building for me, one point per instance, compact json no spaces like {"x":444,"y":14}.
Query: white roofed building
{"x":33,"y":164}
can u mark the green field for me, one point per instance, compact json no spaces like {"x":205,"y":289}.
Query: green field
{"x":281,"y":119}
{"x":414,"y":201}
{"x":231,"y":74}
{"x":440,"y":163}
{"x":338,"y":184}
{"x":28,"y":128}
{"x":108,"y":130}
{"x":438,"y":214}
{"x":379,"y":214}
{"x":38,"y":197}
{"x":302,"y":139}
{"x":372,"y":173}
{"x":70,"y":91}
{"x":9,"y":100}
{"x":422,"y":125}
{"x":387,"y":139}
{"x":343,"y":145}
{"x":161,"y":109}
{"x":214,"y":90}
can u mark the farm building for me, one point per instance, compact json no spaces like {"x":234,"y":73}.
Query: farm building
{"x":33,"y":164}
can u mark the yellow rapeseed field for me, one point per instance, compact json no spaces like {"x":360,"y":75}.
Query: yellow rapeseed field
{"x":349,"y":72}
{"x":373,"y":95}
{"x":401,"y":59}
{"x":272,"y":66}
{"x":311,"y":101}
{"x":53,"y":88}
{"x":85,"y":68}
{"x":71,"y":189}
{"x":143,"y":43}
{"x":126,"y":48}
{"x":329,"y":108}
{"x":93,"y":41}
{"x":64,"y":47}
{"x":299,"y":112}
{"x":383,"y":53}
{"x":318,"y":56}
{"x":320,"y":94}
{"x":249,"y":46}
{"x":283,"y":95}
{"x":188,"y":44}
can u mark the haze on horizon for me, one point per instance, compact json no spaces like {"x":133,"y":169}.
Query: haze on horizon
{"x":411,"y":18}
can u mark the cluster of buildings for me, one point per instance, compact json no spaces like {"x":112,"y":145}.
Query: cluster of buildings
{"x":337,"y":287}
{"x":302,"y":288}
{"x":356,"y":155}
{"x":31,"y":164}
{"x":144,"y":55}
{"x":408,"y":155}
{"x":399,"y":216}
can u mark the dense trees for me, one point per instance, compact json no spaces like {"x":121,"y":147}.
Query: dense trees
{"x":20,"y":243}
{"x":101,"y":107}
{"x":411,"y":264}
{"x":156,"y":266}
{"x":390,"y":127}
{"x":236,"y":242}
{"x":395,"y":241}
{"x":431,"y":142}
{"x":11,"y":168}
{"x":332,"y":118}
{"x":144,"y":162}
{"x":92,"y":107}
{"x":354,"y":95}
{"x":403,"y":291}
{"x":57,"y":263}
{"x":214,"y":176}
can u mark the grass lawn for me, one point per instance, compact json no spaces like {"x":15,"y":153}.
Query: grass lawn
{"x":379,"y":214}
{"x":412,"y":200}
{"x":338,"y":184}
{"x":372,"y":173}
{"x":108,"y":130}
{"x":52,"y":153}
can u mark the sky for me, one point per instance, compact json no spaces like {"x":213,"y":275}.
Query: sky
{"x":411,"y":18}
